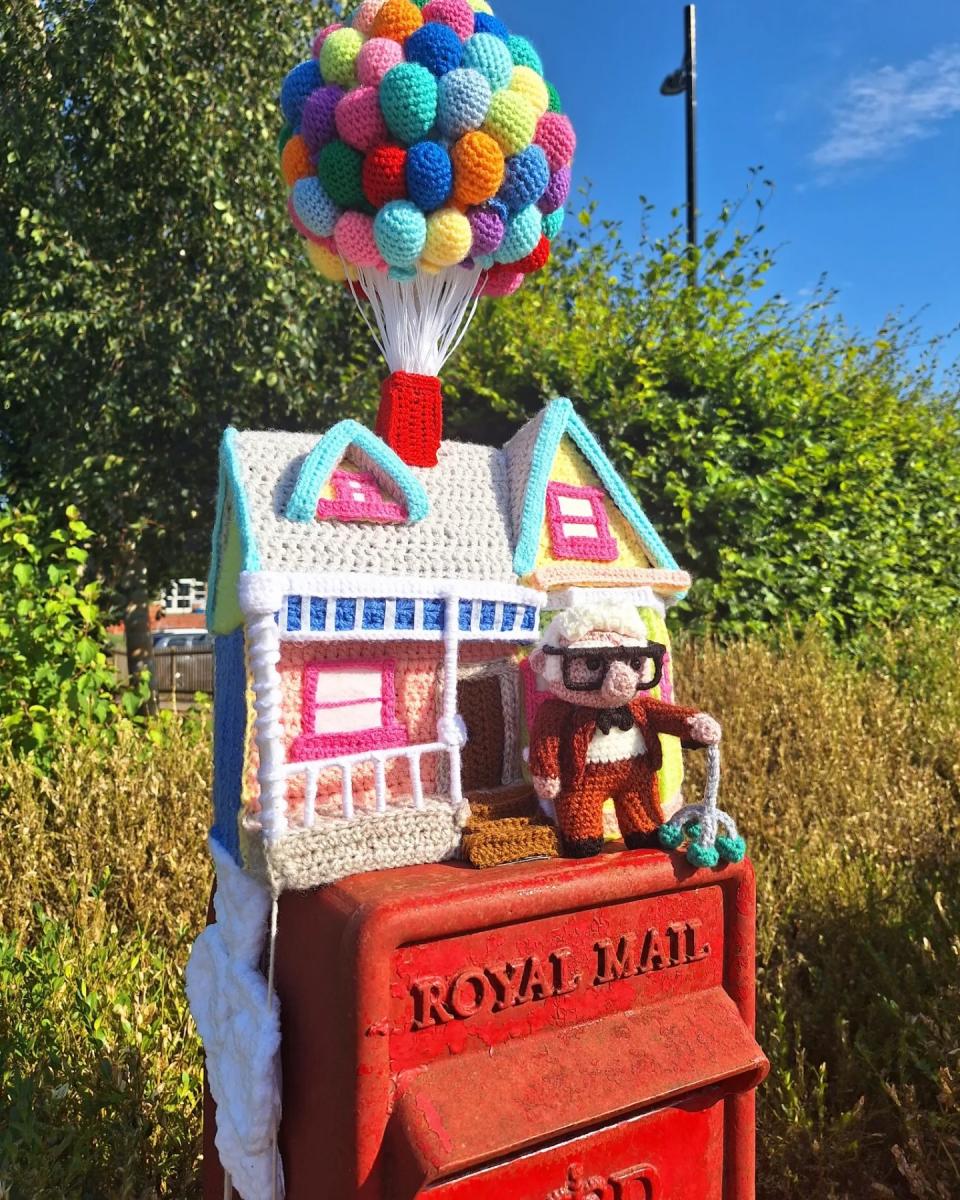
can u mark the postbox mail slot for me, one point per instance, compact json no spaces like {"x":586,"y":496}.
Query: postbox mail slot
{"x":675,"y":1153}
{"x":563,"y":1079}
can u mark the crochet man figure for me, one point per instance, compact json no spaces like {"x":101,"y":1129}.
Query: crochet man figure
{"x":597,"y":737}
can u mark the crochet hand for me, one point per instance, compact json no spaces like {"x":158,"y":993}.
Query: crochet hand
{"x":546,"y":789}
{"x":705,"y":730}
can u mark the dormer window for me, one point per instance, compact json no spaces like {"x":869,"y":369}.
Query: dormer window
{"x":577,"y":519}
{"x":357,"y":497}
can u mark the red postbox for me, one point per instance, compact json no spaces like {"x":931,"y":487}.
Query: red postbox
{"x":542,"y":1031}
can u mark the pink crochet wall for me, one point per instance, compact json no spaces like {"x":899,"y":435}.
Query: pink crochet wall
{"x":417,"y":668}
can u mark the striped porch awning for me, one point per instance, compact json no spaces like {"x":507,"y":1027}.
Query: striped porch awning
{"x":386,"y":618}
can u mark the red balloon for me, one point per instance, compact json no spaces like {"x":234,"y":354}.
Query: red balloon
{"x":536,"y":260}
{"x":385,"y":175}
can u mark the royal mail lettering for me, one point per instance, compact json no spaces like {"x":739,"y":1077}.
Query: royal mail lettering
{"x":495,"y":987}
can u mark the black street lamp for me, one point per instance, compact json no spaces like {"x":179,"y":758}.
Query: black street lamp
{"x":681,"y":82}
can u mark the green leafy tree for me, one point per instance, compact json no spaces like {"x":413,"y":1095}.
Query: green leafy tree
{"x":151,"y":289}
{"x":52,"y":659}
{"x":800,"y":470}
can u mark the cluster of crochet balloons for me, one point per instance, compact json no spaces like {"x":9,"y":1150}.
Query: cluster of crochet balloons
{"x":421,"y":137}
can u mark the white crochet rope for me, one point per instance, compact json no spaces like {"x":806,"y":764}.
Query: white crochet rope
{"x":707,"y":813}
{"x":264,"y":642}
{"x":271,"y":970}
{"x":450,"y":727}
{"x":418,"y":323}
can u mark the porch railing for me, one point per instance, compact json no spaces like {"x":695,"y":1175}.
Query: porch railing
{"x":311,"y":772}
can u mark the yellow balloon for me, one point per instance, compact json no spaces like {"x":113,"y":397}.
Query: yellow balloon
{"x":326,"y":263}
{"x":528,"y":84}
{"x":449,"y":238}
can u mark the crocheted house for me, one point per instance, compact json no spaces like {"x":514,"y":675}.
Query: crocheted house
{"x":370,"y":622}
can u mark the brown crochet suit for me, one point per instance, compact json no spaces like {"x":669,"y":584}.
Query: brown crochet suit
{"x":559,"y":747}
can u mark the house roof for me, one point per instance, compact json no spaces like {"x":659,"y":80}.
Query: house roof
{"x":459,"y":524}
{"x":477,"y":515}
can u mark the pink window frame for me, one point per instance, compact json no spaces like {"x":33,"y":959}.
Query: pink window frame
{"x":584,"y":549}
{"x":344,"y":508}
{"x":310,"y":747}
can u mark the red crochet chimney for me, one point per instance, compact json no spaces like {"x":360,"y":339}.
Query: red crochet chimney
{"x":410,"y":419}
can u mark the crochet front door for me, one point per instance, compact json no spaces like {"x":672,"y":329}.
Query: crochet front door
{"x":481,"y":707}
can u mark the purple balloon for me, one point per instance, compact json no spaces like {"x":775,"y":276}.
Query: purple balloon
{"x":488,"y":231}
{"x":558,"y":189}
{"x":318,"y":126}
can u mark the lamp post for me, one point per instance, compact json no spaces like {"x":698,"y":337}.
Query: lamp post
{"x":683,"y":81}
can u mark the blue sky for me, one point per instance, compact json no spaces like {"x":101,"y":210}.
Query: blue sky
{"x":851,"y":106}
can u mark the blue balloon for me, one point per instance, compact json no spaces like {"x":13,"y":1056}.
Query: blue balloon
{"x":488,"y":23}
{"x":429,"y":175}
{"x":526,"y":179}
{"x":297,"y":86}
{"x":435,"y":47}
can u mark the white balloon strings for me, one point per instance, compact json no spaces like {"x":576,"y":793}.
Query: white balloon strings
{"x":418,"y":324}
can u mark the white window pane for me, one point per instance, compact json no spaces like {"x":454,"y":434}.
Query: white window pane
{"x":349,"y":685}
{"x":349,"y":718}
{"x":575,"y":506}
{"x":575,"y":529}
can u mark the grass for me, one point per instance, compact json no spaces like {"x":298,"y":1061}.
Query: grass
{"x":846,"y":781}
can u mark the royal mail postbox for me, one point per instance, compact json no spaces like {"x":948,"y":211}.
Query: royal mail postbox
{"x":542,"y":1031}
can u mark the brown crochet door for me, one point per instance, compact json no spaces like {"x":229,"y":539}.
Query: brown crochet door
{"x":481,"y":706}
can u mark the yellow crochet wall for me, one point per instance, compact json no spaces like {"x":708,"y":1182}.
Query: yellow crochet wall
{"x":671,"y":773}
{"x":571,"y":467}
{"x":226,"y":615}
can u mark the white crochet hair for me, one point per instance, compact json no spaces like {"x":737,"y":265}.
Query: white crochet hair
{"x":575,"y":625}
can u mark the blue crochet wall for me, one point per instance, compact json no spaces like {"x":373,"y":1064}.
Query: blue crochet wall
{"x":229,"y":725}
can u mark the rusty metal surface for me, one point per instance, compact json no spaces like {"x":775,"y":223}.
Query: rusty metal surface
{"x":534,"y":1032}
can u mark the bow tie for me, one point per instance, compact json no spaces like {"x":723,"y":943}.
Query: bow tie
{"x":622,"y":718}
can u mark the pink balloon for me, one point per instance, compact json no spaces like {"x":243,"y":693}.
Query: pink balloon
{"x":355,"y":241}
{"x":556,"y":138}
{"x":456,"y":13}
{"x":503,"y":284}
{"x":376,"y":58}
{"x":359,"y":120}
{"x":365,"y":15}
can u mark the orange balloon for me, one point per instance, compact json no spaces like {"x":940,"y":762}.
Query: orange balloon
{"x":295,"y":160}
{"x":396,"y":20}
{"x":478,"y":168}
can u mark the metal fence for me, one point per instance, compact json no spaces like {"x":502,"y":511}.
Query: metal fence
{"x":179,"y":671}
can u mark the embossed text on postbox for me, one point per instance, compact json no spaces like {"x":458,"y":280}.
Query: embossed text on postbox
{"x":482,"y":988}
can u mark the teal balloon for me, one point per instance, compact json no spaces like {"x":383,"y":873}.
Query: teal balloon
{"x":400,"y":231}
{"x":553,"y":223}
{"x":408,"y":100}
{"x":486,"y":53}
{"x":523,"y":235}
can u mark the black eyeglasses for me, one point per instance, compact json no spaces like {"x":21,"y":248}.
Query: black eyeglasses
{"x":585,"y":669}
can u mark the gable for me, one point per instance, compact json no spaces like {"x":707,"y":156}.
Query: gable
{"x":370,"y":455}
{"x":574,"y":475}
{"x":557,"y":447}
{"x":355,"y":493}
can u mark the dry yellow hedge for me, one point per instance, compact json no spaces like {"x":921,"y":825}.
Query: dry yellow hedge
{"x":845,"y":781}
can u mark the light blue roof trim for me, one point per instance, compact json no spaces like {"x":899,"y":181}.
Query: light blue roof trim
{"x":559,"y":419}
{"x":229,"y":481}
{"x":323,"y":459}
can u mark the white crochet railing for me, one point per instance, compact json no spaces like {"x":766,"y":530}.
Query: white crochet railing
{"x":509,"y":614}
{"x":380,"y":759}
